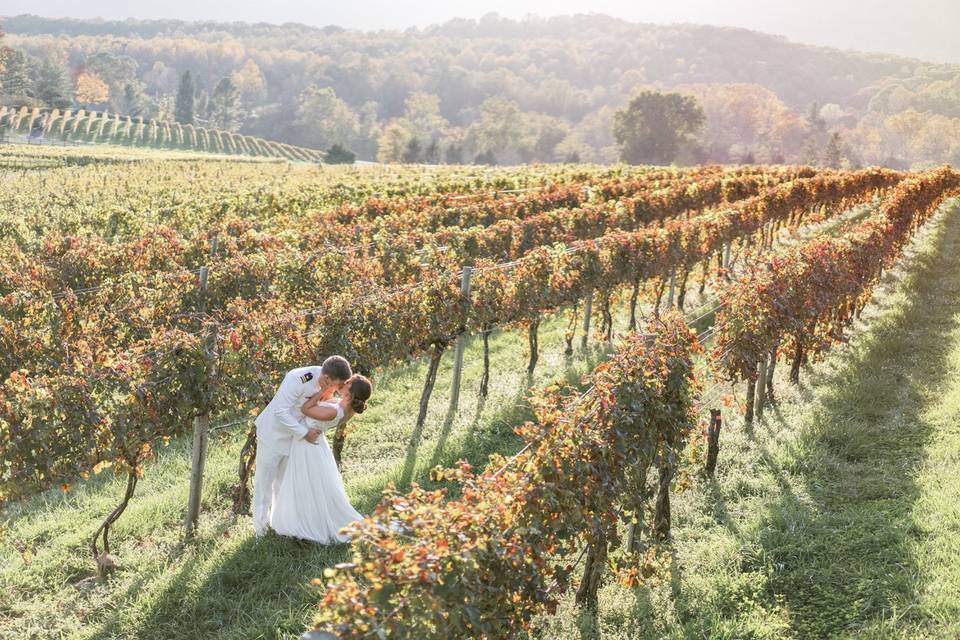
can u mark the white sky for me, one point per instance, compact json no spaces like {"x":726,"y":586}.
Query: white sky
{"x":921,"y":28}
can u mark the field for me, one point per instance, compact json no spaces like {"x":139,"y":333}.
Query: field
{"x":98,"y":127}
{"x":144,"y":295}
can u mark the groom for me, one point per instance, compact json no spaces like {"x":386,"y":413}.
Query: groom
{"x":281,"y":422}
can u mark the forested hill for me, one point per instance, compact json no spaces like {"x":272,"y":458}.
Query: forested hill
{"x":557,"y":80}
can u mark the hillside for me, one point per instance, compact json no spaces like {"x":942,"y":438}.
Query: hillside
{"x":535,"y":90}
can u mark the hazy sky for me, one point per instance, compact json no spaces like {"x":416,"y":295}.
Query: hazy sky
{"x":921,"y":28}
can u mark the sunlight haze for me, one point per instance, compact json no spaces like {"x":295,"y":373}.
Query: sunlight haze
{"x":924,"y":29}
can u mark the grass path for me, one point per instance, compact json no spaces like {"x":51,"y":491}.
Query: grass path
{"x":838,"y":516}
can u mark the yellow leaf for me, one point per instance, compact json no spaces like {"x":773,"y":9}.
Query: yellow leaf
{"x":100,"y":466}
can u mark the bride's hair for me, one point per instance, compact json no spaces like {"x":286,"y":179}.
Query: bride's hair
{"x":360,"y":390}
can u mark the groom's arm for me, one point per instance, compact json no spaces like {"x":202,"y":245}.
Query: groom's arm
{"x":289,"y":401}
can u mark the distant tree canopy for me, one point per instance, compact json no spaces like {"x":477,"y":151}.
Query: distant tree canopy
{"x":654,"y":126}
{"x":513,"y":91}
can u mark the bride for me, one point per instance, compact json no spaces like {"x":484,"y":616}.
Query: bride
{"x":311,"y":502}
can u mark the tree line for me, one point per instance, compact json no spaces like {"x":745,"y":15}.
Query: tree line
{"x":495,"y":90}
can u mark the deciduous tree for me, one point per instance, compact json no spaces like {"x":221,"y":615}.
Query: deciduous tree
{"x":393,"y":143}
{"x":91,"y":90}
{"x":654,"y":125}
{"x":250,"y":82}
{"x":323,"y":119}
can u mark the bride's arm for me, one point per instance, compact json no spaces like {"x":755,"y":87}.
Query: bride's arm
{"x":313,"y":409}
{"x":312,"y":400}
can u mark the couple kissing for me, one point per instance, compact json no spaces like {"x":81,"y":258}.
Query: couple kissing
{"x":297,"y":488}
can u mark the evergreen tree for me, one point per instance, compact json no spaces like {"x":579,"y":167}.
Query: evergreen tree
{"x":815,"y":121}
{"x":51,"y":85}
{"x":809,"y":153}
{"x":14,"y":78}
{"x":183,"y":111}
{"x":132,"y":102}
{"x":412,"y":153}
{"x":453,"y":154}
{"x":833,"y":156}
{"x":431,"y":155}
{"x":816,"y":137}
{"x":225,"y":105}
{"x":4,"y":52}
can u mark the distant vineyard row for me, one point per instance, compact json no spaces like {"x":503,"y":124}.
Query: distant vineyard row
{"x":103,"y":127}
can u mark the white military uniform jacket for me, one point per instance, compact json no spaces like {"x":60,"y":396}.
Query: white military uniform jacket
{"x":282,"y":420}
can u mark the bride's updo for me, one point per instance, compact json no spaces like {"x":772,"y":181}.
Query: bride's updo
{"x":360,"y":389}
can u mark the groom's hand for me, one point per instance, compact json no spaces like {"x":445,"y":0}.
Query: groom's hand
{"x":312,"y":436}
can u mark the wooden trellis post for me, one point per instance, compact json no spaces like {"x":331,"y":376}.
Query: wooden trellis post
{"x":713,"y":441}
{"x":587,"y":312}
{"x":461,"y":344}
{"x":751,"y":395}
{"x":201,"y":423}
{"x":762,"y":387}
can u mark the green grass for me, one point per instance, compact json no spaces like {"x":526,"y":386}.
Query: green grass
{"x":838,"y":515}
{"x":226,"y":584}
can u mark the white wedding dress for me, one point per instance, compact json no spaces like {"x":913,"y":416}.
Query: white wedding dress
{"x":311,"y":503}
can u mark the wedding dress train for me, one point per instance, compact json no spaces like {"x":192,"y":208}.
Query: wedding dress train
{"x":311,"y":503}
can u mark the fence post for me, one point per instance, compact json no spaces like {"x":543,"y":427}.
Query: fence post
{"x":713,"y":441}
{"x":587,"y":312}
{"x":762,"y":387}
{"x":461,"y":344}
{"x":751,"y":395}
{"x":201,"y":424}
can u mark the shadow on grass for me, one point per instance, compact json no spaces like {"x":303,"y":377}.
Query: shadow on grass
{"x":260,"y":588}
{"x":839,"y":556}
